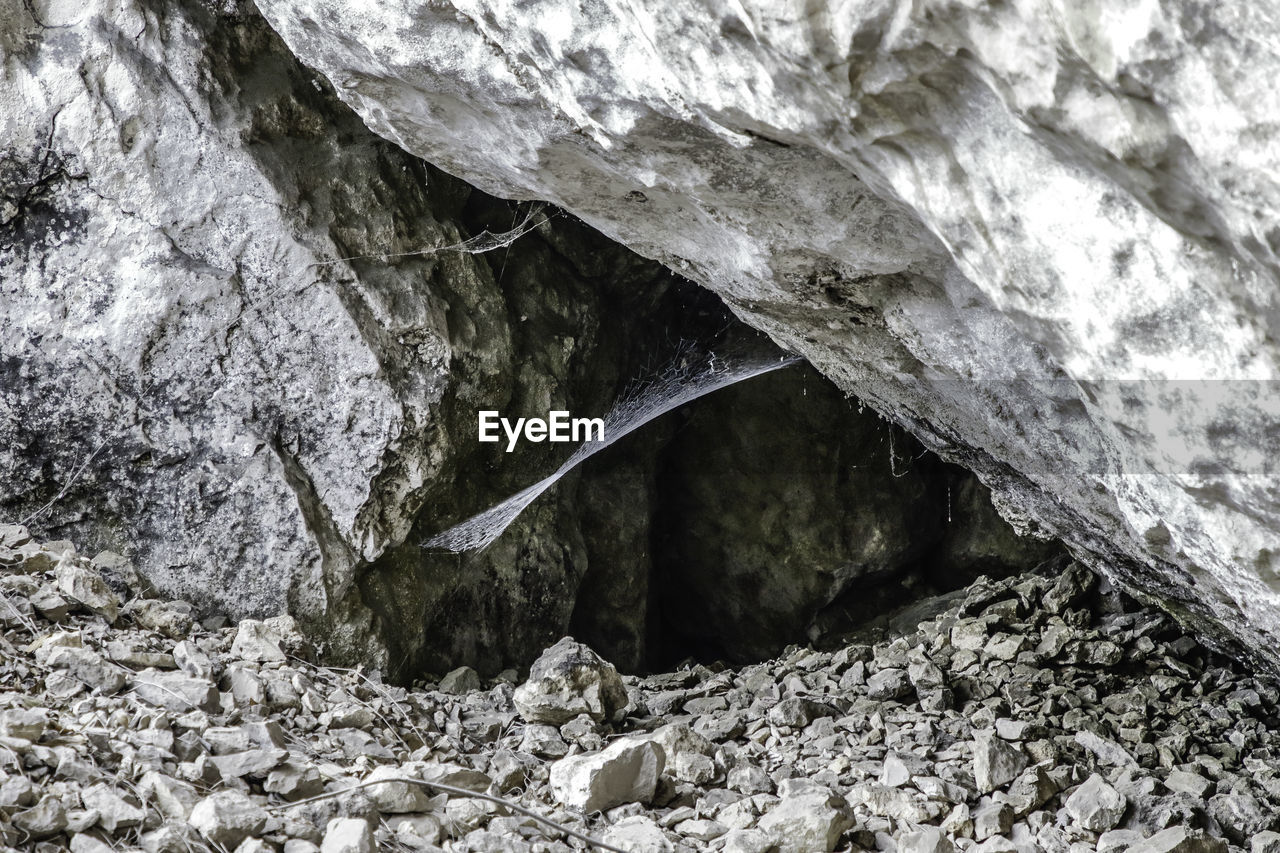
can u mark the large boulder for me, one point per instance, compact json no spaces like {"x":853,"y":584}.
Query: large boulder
{"x":1042,"y":238}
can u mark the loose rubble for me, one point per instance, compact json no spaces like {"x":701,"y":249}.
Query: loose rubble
{"x":1046,"y":712}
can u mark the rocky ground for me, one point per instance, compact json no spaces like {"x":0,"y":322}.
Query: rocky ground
{"x":1044,"y":712}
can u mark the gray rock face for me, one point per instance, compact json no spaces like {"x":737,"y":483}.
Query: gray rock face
{"x":1056,"y":264}
{"x":227,"y":351}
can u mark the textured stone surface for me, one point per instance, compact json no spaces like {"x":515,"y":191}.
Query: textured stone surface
{"x":216,"y":359}
{"x":1043,"y":238}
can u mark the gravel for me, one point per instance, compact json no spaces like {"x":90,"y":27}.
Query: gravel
{"x":1043,"y":712}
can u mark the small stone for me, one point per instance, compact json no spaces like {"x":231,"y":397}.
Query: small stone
{"x":254,"y":763}
{"x":995,"y":762}
{"x":544,"y":742}
{"x":254,"y":845}
{"x":23,"y":723}
{"x":299,"y":845}
{"x":1180,"y":781}
{"x":625,"y":772}
{"x":174,"y":619}
{"x":887,"y":684}
{"x":569,"y":679}
{"x":418,"y":832}
{"x":1005,"y":646}
{"x":895,"y":773}
{"x":1095,"y":805}
{"x":701,"y":829}
{"x":1012,"y":729}
{"x":294,"y":781}
{"x":693,"y":768}
{"x":347,"y":835}
{"x":507,"y":770}
{"x":1118,"y":840}
{"x":83,"y":843}
{"x":926,"y":840}
{"x":747,"y":778}
{"x":18,"y":792}
{"x":173,"y":798}
{"x":638,"y":834}
{"x":807,"y":823}
{"x":1180,"y":840}
{"x":227,"y":818}
{"x":88,"y":667}
{"x":256,"y":642}
{"x":46,"y":818}
{"x":460,"y":681}
{"x":1108,"y":751}
{"x":50,"y":605}
{"x":797,"y":712}
{"x":193,"y":660}
{"x":991,"y":820}
{"x":175,"y":691}
{"x":114,"y":812}
{"x":1265,"y":842}
{"x":747,"y":840}
{"x":395,"y":797}
{"x":87,"y":588}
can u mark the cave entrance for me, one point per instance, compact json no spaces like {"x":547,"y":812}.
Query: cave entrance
{"x":774,"y":511}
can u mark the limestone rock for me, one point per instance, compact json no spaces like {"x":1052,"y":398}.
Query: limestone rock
{"x":624,"y":772}
{"x":86,"y":587}
{"x":397,"y":797}
{"x":1180,"y":840}
{"x":461,"y":680}
{"x":807,"y":823}
{"x":347,"y":835}
{"x":227,"y":818}
{"x":929,"y":840}
{"x":256,"y":642}
{"x":1096,"y":805}
{"x":23,"y":723}
{"x":569,"y":679}
{"x":88,"y":667}
{"x":638,"y":834}
{"x":175,"y":691}
{"x":995,"y":762}
{"x":46,"y":818}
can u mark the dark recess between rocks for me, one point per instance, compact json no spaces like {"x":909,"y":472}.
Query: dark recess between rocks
{"x":772,"y":512}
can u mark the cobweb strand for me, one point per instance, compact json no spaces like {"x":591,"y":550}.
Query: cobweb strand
{"x":682,"y":382}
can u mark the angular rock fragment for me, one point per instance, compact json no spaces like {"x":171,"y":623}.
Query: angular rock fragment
{"x":995,"y":762}
{"x":1096,"y":805}
{"x":86,"y":587}
{"x":227,"y":818}
{"x":625,"y":772}
{"x":23,"y":723}
{"x":396,"y":797}
{"x":347,"y":835}
{"x":175,"y":691}
{"x":807,"y":823}
{"x":569,"y":679}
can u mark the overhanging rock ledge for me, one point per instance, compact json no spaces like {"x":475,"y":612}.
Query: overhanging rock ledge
{"x":1041,"y":236}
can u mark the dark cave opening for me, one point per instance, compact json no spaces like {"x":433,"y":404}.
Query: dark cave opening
{"x":776,"y":511}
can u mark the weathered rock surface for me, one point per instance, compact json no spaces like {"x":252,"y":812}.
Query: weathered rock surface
{"x":228,"y":351}
{"x":1043,"y":238}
